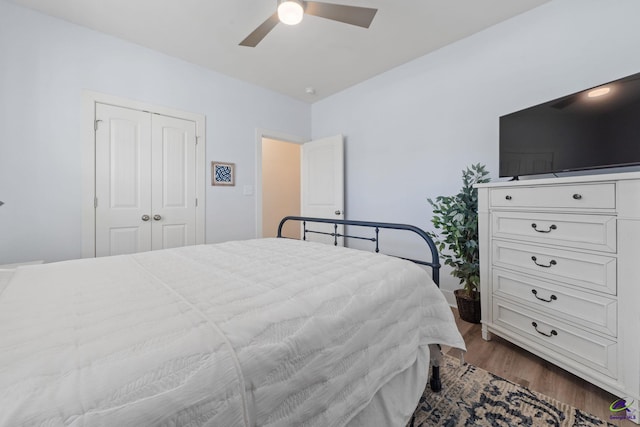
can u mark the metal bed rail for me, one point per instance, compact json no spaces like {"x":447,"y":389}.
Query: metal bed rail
{"x":435,"y":260}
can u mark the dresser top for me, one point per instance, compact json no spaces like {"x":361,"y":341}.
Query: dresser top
{"x":578,"y":179}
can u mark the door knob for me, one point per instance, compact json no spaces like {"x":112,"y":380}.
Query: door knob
{"x":157,"y":217}
{"x":145,"y":217}
{"x":338,"y":212}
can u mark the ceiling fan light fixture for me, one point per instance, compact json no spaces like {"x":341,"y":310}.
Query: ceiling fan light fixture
{"x":290,"y":11}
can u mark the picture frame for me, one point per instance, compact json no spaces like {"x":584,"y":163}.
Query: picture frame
{"x":223,"y":173}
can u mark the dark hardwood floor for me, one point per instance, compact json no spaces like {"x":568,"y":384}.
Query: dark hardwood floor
{"x":509,"y":361}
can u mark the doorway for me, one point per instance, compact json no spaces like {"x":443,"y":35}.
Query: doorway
{"x":319,"y":182}
{"x":143,"y":177}
{"x":280,"y":186}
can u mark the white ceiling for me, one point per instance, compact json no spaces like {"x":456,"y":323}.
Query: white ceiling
{"x":326,"y":55}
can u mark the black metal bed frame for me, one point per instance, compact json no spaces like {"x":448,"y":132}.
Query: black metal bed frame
{"x":435,"y":259}
{"x":434,"y":382}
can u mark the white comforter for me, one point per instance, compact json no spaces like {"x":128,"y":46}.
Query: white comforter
{"x":269,"y":332}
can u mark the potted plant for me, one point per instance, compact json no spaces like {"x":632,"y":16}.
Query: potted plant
{"x":456,"y":218}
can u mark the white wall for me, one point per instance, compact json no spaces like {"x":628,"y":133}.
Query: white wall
{"x":45,"y":63}
{"x":411,"y":131}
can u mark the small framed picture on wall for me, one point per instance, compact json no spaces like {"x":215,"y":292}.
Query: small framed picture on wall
{"x":223,"y":173}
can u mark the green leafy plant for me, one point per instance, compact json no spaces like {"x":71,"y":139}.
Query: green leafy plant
{"x":456,"y":218}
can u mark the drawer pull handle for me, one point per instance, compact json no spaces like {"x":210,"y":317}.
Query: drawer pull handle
{"x":508,"y":197}
{"x":577,"y":196}
{"x":552,"y":227}
{"x":553,"y":331}
{"x":551,"y":263}
{"x":552,"y":298}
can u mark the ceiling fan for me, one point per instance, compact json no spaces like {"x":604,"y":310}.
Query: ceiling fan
{"x":290,"y":12}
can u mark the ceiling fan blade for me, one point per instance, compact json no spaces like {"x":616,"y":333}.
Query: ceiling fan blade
{"x":259,"y":33}
{"x":354,"y":15}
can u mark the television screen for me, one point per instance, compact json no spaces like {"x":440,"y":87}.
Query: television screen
{"x":595,"y":128}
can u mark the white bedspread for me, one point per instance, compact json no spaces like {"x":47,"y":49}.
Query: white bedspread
{"x":269,"y":332}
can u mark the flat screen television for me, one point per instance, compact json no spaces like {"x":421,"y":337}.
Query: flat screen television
{"x":592,"y":129}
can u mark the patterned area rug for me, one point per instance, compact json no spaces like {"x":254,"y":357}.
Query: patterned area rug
{"x":471,"y":396}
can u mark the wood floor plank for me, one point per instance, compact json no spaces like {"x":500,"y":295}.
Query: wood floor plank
{"x":515,"y":364}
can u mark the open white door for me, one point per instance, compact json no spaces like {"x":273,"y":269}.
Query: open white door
{"x":322,"y":184}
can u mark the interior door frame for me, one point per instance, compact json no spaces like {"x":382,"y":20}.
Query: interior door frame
{"x":260,"y":134}
{"x":89,"y":101}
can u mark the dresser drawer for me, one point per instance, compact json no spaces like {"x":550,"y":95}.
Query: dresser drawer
{"x":587,"y":310}
{"x":586,"y":196}
{"x":594,"y":232}
{"x":589,"y":271}
{"x":596,"y":352}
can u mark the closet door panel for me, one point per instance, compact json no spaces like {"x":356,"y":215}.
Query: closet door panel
{"x":174,"y":182}
{"x":123,"y":180}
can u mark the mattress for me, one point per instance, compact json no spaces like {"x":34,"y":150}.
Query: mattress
{"x":267,"y":332}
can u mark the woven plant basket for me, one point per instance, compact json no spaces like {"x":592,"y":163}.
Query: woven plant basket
{"x":468,"y":307}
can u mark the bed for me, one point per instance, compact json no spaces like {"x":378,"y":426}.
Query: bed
{"x":265,"y":332}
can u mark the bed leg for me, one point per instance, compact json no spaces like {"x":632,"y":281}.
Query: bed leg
{"x":436,"y":358}
{"x":435,"y":383}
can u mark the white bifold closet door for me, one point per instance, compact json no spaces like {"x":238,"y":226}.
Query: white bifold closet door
{"x":145,"y":181}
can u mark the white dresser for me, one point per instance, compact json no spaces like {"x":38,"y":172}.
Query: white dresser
{"x":560,"y":273}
